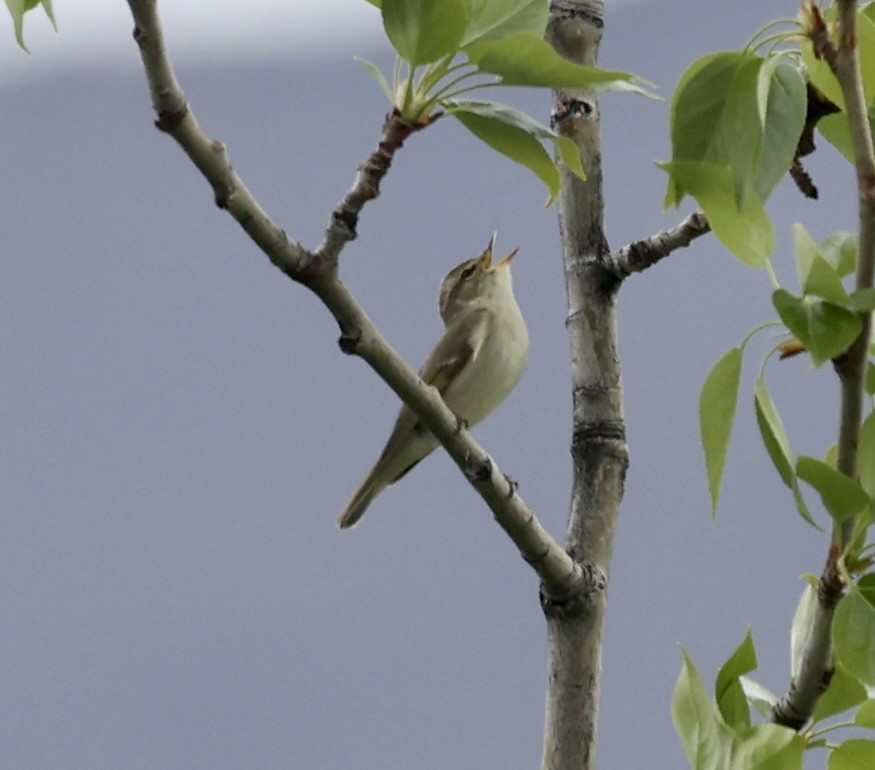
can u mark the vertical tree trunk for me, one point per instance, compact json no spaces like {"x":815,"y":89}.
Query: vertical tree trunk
{"x":598,"y":447}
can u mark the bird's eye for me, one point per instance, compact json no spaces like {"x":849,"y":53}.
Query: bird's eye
{"x":469,"y":271}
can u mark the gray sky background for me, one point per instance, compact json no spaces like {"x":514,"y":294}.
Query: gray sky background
{"x":179,"y":429}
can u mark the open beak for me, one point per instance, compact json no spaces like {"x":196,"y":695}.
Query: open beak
{"x":486,"y":257}
{"x":506,"y":261}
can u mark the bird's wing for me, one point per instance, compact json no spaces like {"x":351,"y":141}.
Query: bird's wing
{"x":442,"y":366}
{"x":444,"y":363}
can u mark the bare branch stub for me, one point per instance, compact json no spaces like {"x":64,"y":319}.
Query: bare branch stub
{"x":637,"y":257}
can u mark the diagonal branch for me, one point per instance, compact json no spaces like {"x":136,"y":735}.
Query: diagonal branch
{"x":637,"y":257}
{"x":562,"y":578}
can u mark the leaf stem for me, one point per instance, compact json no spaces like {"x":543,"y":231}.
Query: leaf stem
{"x":445,"y":91}
{"x":755,"y":43}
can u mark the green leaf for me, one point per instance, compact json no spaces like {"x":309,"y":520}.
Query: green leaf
{"x":699,"y":107}
{"x":866,"y":454}
{"x":866,"y":46}
{"x":728,"y":690}
{"x":760,"y":697}
{"x":870,"y":378}
{"x":490,"y":20}
{"x":717,"y":403}
{"x":706,"y":740}
{"x":786,"y":105}
{"x":524,"y":59}
{"x":739,"y":110}
{"x":806,"y":251}
{"x":773,"y":434}
{"x":834,"y":128}
{"x":741,"y":119}
{"x":17,"y":9}
{"x":823,"y":328}
{"x":423,"y":31}
{"x":841,"y":495}
{"x":854,"y":630}
{"x":801,"y":628}
{"x":377,"y":3}
{"x":862,"y":300}
{"x":712,"y":745}
{"x":743,"y":228}
{"x":840,"y":250}
{"x":831,"y":455}
{"x":865,"y":716}
{"x":823,"y":281}
{"x":378,"y":76}
{"x":844,"y":692}
{"x":853,"y":754}
{"x":817,"y":277}
{"x":736,"y":119}
{"x":766,"y":747}
{"x":778,"y":446}
{"x":518,"y":137}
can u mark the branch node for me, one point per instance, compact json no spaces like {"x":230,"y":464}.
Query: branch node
{"x":222,"y":193}
{"x":569,"y":109}
{"x":479,"y":471}
{"x":168,"y":122}
{"x":576,"y":602}
{"x":348,"y":341}
{"x":347,"y":221}
{"x":513,"y":484}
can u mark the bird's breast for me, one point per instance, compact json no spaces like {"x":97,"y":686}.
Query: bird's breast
{"x":493,"y":372}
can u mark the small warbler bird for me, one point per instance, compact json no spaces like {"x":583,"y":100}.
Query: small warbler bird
{"x":474,"y":366}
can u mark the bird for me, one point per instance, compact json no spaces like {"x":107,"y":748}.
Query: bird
{"x":475,"y":365}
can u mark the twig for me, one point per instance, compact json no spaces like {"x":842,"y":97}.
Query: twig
{"x":562,"y":578}
{"x":638,"y":256}
{"x":344,"y":218}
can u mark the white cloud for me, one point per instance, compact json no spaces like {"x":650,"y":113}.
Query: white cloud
{"x":97,"y":33}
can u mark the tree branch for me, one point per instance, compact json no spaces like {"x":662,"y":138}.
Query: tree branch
{"x":796,"y":707}
{"x":562,"y":579}
{"x":176,"y":118}
{"x":638,"y":256}
{"x":599,"y":452}
{"x":344,"y":218}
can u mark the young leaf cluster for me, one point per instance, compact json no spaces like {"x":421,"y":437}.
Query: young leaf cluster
{"x":448,"y":48}
{"x":823,"y":320}
{"x":736,"y":119}
{"x":719,"y":731}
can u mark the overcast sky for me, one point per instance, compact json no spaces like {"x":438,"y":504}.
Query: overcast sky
{"x":92,"y":32}
{"x":178,"y":429}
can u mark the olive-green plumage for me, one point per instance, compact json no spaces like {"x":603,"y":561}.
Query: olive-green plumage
{"x":475,"y":365}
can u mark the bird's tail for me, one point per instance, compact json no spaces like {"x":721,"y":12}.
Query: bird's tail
{"x":357,"y":504}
